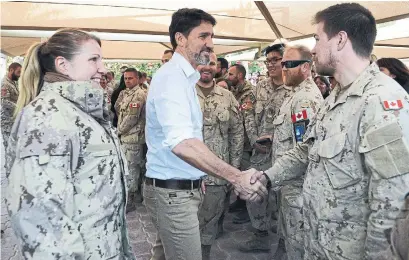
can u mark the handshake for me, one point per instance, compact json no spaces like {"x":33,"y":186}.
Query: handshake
{"x":251,"y":185}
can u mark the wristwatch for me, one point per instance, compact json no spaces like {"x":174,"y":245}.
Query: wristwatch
{"x":268,"y":186}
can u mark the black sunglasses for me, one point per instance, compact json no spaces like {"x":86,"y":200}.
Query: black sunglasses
{"x":289,"y":64}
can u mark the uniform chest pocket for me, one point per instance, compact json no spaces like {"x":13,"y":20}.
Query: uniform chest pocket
{"x":282,"y":129}
{"x":339,"y":161}
{"x":223,"y":121}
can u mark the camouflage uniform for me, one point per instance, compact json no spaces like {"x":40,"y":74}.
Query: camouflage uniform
{"x":244,"y":95}
{"x":355,"y":156}
{"x":269,"y":99}
{"x":223,"y":134}
{"x":66,"y":194}
{"x":305,"y":100}
{"x":9,"y":96}
{"x":131,"y":129}
{"x":400,"y":236}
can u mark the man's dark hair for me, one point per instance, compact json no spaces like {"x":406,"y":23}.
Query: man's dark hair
{"x":144,"y":75}
{"x":224,"y":63}
{"x":112,"y":73}
{"x":280,"y":47}
{"x":357,"y":21}
{"x":139,"y":74}
{"x":169,"y":51}
{"x":132,"y":70}
{"x":241,"y":69}
{"x":185,"y":19}
{"x":14,"y":66}
{"x":397,"y":68}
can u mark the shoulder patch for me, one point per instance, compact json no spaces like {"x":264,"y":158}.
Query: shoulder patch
{"x":134,"y":105}
{"x":3,"y":92}
{"x":392,"y":104}
{"x":299,"y":116}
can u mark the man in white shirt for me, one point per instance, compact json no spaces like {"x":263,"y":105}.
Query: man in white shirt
{"x":177,"y":157}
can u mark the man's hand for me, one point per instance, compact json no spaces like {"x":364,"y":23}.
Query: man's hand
{"x":250,"y":191}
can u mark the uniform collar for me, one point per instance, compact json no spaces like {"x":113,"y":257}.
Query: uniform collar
{"x":86,"y":95}
{"x":12,"y":82}
{"x":215,"y":90}
{"x":356,"y":88}
{"x":192,"y":74}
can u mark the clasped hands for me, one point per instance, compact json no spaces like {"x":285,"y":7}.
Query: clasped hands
{"x":251,"y":185}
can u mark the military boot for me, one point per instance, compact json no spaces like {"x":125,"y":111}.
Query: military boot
{"x":206,"y":252}
{"x":259,"y":242}
{"x":131,"y":205}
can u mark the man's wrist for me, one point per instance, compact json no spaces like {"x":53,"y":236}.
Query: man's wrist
{"x":268,"y":185}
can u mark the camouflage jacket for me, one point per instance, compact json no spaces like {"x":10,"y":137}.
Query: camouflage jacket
{"x":223,"y":131}
{"x":259,"y":117}
{"x":130,"y":107}
{"x":9,"y":96}
{"x":244,"y":95}
{"x":355,"y":155}
{"x":66,"y":194}
{"x":306,"y":100}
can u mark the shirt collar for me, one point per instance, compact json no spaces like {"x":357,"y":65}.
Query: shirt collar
{"x":215,"y":90}
{"x":88,"y":97}
{"x":191,"y":73}
{"x":356,"y":88}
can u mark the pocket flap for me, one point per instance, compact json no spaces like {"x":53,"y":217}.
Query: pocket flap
{"x":332,"y":146}
{"x":223,"y":116}
{"x":62,"y":148}
{"x":279,"y":119}
{"x":380,"y":136}
{"x":103,"y":149}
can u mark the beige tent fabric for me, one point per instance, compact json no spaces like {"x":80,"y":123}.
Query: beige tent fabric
{"x":236,"y":20}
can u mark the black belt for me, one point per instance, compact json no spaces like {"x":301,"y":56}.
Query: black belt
{"x":173,"y":184}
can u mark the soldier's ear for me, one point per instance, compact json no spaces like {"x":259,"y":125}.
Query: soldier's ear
{"x":62,"y":65}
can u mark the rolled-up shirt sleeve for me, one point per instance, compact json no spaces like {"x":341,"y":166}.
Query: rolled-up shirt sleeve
{"x":173,"y":110}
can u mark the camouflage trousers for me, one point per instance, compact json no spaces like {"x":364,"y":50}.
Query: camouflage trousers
{"x":262,"y":213}
{"x":134,"y":157}
{"x":291,"y":221}
{"x":214,"y":203}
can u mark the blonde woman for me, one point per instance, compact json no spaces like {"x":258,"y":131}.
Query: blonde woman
{"x":66,"y":193}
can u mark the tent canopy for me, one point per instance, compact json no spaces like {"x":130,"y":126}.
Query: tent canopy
{"x":139,"y":29}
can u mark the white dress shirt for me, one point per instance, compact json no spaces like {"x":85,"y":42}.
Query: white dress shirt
{"x":173,"y":114}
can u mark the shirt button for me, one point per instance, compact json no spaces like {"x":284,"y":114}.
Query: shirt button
{"x":91,"y":95}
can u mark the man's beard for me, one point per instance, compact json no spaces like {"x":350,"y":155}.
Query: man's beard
{"x":14,"y":77}
{"x":293,"y":80}
{"x":326,"y":69}
{"x":200,"y":58}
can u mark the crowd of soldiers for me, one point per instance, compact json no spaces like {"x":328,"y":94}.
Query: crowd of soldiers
{"x":265,"y":127}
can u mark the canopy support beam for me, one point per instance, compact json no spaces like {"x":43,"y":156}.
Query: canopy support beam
{"x":264,"y":11}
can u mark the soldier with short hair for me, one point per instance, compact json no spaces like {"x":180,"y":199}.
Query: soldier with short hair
{"x":131,"y":130}
{"x":269,"y":96}
{"x":223,"y":134}
{"x":9,"y":96}
{"x":355,"y":151}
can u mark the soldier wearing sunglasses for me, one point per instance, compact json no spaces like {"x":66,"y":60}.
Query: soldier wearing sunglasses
{"x":290,"y":125}
{"x":269,"y":95}
{"x":354,"y":155}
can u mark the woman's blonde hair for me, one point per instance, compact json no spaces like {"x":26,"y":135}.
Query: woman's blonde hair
{"x":40,"y":59}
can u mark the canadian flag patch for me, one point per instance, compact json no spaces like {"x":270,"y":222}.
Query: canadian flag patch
{"x":301,"y":115}
{"x":134,"y":105}
{"x":392,"y":104}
